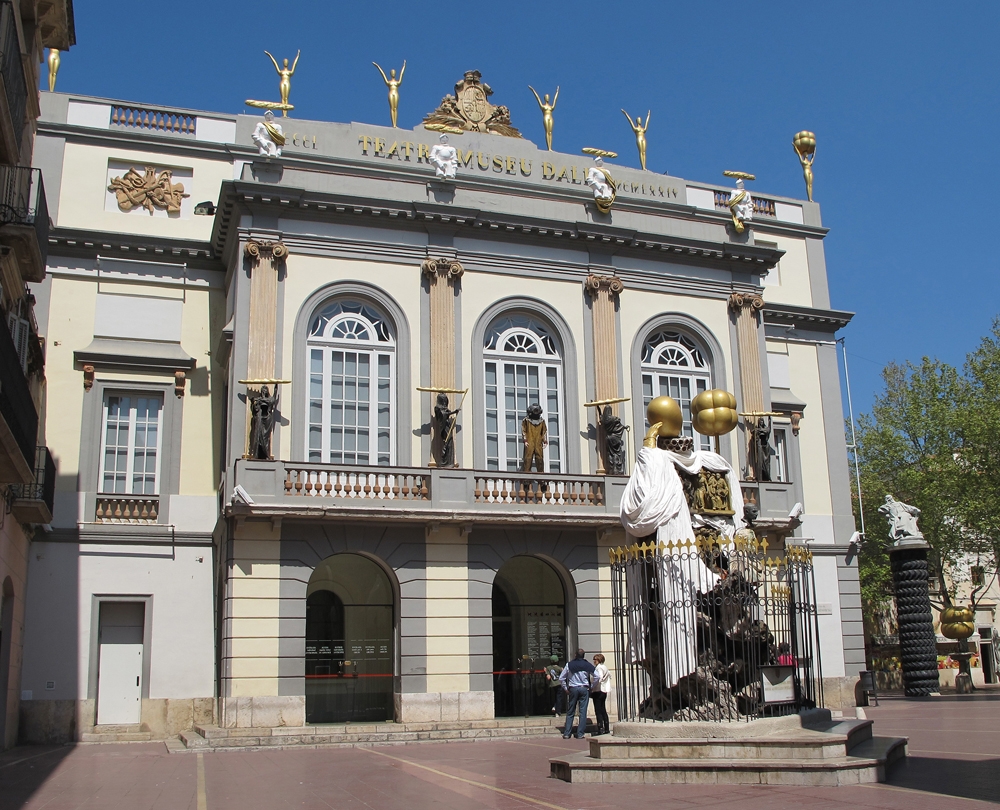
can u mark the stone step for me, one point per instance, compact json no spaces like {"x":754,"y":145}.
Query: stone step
{"x":214,"y":738}
{"x":878,"y":754}
{"x":834,"y":741}
{"x":115,"y":737}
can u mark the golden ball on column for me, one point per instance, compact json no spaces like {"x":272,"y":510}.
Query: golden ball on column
{"x":667,"y":411}
{"x":713,"y":412}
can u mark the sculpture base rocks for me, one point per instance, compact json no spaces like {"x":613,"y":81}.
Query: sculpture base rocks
{"x":811,"y":748}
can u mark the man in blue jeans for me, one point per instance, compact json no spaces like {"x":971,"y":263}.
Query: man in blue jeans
{"x":576,"y":678}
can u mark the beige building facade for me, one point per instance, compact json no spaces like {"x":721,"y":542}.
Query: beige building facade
{"x":346,"y":573}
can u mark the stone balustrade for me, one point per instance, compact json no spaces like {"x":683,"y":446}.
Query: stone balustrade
{"x":126,"y":509}
{"x":324,"y":481}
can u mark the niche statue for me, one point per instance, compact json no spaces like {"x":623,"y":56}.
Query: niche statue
{"x":263,"y":410}
{"x":444,"y":419}
{"x":759,"y":450}
{"x":614,"y":442}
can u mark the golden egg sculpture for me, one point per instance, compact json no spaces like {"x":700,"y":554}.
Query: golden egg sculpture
{"x":713,"y":413}
{"x":804,"y":143}
{"x":667,"y":411}
{"x":957,"y":622}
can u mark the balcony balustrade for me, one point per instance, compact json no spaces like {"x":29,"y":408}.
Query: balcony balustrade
{"x":126,"y":509}
{"x":418,"y":493}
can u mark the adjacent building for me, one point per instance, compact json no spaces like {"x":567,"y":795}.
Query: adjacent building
{"x":27,"y":473}
{"x":344,"y":572}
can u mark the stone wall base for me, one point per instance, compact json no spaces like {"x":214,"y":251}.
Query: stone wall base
{"x":431,"y":707}
{"x":265,"y":711}
{"x":839,"y":694}
{"x":55,"y":722}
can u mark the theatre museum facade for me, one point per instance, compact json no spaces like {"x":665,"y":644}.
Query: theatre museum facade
{"x":260,"y":519}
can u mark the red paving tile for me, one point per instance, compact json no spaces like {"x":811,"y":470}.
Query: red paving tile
{"x":954,"y":761}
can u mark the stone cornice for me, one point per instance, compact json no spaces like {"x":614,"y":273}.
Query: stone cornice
{"x":817,"y":320}
{"x":238,"y":196}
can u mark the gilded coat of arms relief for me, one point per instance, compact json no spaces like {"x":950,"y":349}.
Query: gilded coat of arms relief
{"x":470,"y":110}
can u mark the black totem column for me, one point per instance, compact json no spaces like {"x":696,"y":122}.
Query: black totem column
{"x":917,"y":646}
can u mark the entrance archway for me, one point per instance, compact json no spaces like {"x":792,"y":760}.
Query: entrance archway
{"x":529,"y":627}
{"x":350,"y":634}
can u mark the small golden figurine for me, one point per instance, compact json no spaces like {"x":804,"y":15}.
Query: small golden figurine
{"x":805,"y":147}
{"x":640,"y":135}
{"x":286,"y":77}
{"x":53,"y":68}
{"x":393,"y":84}
{"x":547,"y":109}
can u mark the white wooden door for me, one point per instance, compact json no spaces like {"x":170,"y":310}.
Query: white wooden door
{"x":119,"y":677}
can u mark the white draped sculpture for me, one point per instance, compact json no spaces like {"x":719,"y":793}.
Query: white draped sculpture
{"x":444,"y":158}
{"x":654,"y":502}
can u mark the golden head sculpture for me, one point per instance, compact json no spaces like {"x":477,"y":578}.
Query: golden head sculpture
{"x":667,"y":412}
{"x":713,"y":413}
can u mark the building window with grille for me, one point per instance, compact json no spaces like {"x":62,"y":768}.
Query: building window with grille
{"x":131,"y":444}
{"x":779,"y":456}
{"x":351,"y":356}
{"x":674,"y":365}
{"x":523,"y":367}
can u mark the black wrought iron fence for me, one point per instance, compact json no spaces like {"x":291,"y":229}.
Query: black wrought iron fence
{"x":715,"y":629}
{"x":22,"y":202}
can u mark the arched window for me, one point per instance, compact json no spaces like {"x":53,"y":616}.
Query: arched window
{"x":523,"y":367}
{"x":352,"y":373}
{"x":673,"y":365}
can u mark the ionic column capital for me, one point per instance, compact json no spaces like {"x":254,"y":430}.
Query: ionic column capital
{"x":594,"y":283}
{"x":443,"y":267}
{"x":751,"y":301}
{"x":255,"y":250}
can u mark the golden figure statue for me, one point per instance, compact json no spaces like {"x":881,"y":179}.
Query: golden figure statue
{"x":547,"y":109}
{"x":53,"y":68}
{"x":393,"y":84}
{"x":805,"y":147}
{"x":286,"y":74}
{"x":640,"y":135}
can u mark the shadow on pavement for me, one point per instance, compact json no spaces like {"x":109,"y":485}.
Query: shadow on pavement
{"x":24,"y":769}
{"x":953,"y":777}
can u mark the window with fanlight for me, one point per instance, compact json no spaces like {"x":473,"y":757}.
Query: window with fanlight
{"x":523,"y":367}
{"x":674,"y":365}
{"x":351,"y":356}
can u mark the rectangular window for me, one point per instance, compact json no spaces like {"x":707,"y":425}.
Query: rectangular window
{"x":130,"y":445}
{"x":779,"y":458}
{"x":978,"y":576}
{"x":518,"y":386}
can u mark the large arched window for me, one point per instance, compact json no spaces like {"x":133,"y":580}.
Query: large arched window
{"x":523,"y":367}
{"x":673,"y":365}
{"x":352,"y":375}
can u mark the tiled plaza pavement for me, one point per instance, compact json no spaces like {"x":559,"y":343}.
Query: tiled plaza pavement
{"x":954,"y":762}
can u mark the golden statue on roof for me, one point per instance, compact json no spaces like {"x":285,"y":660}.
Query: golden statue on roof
{"x":284,"y":87}
{"x":470,"y":110}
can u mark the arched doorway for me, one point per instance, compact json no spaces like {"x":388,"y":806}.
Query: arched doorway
{"x":350,"y":635}
{"x":529,"y":627}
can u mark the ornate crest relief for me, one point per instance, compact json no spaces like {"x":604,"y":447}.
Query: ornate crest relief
{"x":470,"y":110}
{"x":149,"y":190}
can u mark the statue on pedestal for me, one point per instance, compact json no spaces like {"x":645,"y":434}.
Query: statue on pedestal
{"x":445,"y":420}
{"x":393,"y":84}
{"x":535,"y":435}
{"x":759,"y":450}
{"x":740,"y":206}
{"x":547,"y":107}
{"x":605,"y":188}
{"x":268,"y":136}
{"x":263,"y":412}
{"x":444,"y":158}
{"x":614,"y":442}
{"x":902,"y":519}
{"x":639,"y":129}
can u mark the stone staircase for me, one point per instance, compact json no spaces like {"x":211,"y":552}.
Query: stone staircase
{"x":135,"y":732}
{"x":814,"y":750}
{"x":214,"y":738}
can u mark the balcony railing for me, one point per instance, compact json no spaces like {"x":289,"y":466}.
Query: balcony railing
{"x":34,"y":502}
{"x":153,"y":120}
{"x":22,"y":202}
{"x":16,"y":405}
{"x":762,"y":207}
{"x":329,"y":488}
{"x":15,"y":86}
{"x":126,"y":509}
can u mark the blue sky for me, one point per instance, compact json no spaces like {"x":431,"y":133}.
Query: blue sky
{"x":903,"y":98}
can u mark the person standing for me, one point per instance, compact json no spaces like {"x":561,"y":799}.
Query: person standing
{"x":552,"y":673}
{"x":576,"y":678}
{"x":600,"y":686}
